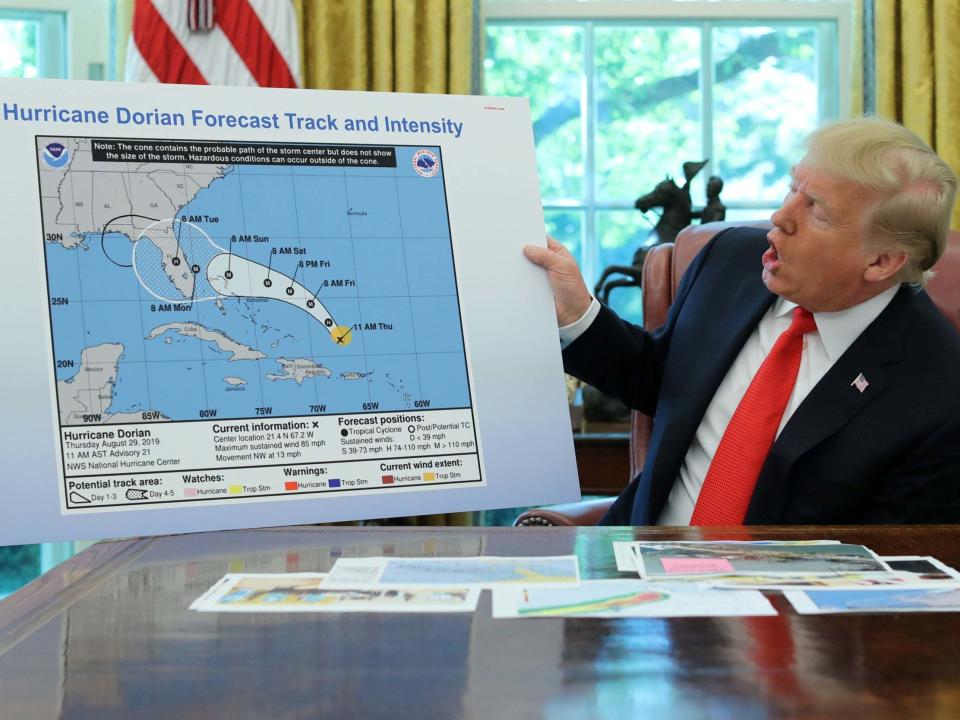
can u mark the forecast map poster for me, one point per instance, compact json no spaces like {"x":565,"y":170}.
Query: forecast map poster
{"x":252,"y":319}
{"x":267,"y":319}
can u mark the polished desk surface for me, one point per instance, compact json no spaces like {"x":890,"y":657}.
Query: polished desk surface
{"x":108,"y":635}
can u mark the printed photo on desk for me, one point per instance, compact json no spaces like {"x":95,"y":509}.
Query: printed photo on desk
{"x":904,"y":571}
{"x":626,"y":552}
{"x":875,"y":600}
{"x":303,"y":592}
{"x":663,"y":560}
{"x":482,"y":572}
{"x":626,"y":598}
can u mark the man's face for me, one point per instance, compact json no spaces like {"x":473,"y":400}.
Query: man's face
{"x":816,"y":256}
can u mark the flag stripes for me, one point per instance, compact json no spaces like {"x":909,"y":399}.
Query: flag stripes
{"x":242,"y":26}
{"x":250,"y":42}
{"x":160,"y":49}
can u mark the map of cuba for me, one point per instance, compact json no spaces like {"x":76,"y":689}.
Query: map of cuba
{"x":214,"y":280}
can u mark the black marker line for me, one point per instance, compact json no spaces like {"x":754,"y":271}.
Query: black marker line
{"x":103,"y":233}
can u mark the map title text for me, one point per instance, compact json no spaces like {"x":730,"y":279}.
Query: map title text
{"x":200,"y":118}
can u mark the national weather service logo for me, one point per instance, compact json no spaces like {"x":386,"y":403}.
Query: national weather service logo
{"x":426,"y":163}
{"x":56,"y":155}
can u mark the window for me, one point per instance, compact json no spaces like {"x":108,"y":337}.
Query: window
{"x":48,"y":39}
{"x":622,"y":94}
{"x":55,"y":38}
{"x":19,"y":564}
{"x":32,"y":44}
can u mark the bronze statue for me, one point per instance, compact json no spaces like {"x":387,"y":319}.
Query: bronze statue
{"x":714,"y":210}
{"x":677,"y":214}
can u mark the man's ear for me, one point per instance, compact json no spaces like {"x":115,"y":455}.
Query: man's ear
{"x":884,"y":266}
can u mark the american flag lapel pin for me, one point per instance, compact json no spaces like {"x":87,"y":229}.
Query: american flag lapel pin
{"x":860,"y":382}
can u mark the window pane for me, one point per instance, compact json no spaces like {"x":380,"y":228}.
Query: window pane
{"x":19,"y":564}
{"x":545,"y":64}
{"x":620,"y":233}
{"x":566,"y":226}
{"x":648,"y":107}
{"x":18,"y":48}
{"x":765,"y":102}
{"x":749,"y":215}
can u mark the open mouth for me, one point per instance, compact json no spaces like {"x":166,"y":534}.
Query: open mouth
{"x":771,"y":258}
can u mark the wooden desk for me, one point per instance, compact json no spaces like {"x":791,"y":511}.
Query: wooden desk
{"x":108,"y":635}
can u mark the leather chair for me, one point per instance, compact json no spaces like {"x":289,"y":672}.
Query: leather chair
{"x":662,"y":270}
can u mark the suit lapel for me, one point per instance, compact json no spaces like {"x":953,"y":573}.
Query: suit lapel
{"x":726,"y":335}
{"x":714,"y":343}
{"x":830,"y":405}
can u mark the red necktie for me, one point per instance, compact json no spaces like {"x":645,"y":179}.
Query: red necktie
{"x":743,"y":449}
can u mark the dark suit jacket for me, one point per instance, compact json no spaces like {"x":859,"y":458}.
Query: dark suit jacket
{"x":890,"y":454}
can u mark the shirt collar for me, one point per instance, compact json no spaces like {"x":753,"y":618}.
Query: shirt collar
{"x":839,"y":329}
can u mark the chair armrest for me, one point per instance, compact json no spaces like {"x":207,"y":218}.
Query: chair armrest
{"x":587,"y":512}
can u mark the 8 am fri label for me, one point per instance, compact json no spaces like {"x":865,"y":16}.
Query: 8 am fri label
{"x":125,"y":465}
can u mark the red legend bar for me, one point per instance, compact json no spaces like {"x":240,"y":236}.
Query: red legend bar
{"x":292,"y":485}
{"x":387,"y":479}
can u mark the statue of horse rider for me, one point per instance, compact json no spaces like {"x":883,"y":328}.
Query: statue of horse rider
{"x":677,"y":214}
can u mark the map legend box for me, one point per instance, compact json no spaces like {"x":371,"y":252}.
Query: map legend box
{"x":235,"y":490}
{"x":429,"y":476}
{"x":291,"y":485}
{"x":333,"y":482}
{"x":387,"y":479}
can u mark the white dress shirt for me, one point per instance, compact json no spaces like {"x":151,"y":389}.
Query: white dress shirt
{"x":836,"y":331}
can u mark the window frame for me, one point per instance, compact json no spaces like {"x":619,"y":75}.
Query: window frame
{"x":828,"y":16}
{"x":86,"y":43}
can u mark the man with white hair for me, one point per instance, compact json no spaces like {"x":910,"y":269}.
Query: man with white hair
{"x":803,"y":376}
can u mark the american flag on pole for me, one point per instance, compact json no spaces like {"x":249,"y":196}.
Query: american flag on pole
{"x":215,"y":42}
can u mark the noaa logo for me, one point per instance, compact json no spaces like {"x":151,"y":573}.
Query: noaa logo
{"x":426,"y":163}
{"x":56,"y":155}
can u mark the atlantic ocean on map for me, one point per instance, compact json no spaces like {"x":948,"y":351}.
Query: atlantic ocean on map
{"x":181,"y":291}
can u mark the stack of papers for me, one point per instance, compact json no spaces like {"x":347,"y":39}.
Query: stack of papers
{"x":673,"y":579}
{"x":820,"y":576}
{"x":521,"y":587}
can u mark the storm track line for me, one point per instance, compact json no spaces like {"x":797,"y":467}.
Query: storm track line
{"x":239,"y":277}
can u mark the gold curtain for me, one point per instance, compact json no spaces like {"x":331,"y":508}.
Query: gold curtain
{"x":388,"y":45}
{"x":123,"y":22}
{"x":918,"y":71}
{"x":856,"y":63}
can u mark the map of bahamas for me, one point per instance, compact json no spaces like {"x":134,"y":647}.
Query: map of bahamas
{"x":287,"y":281}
